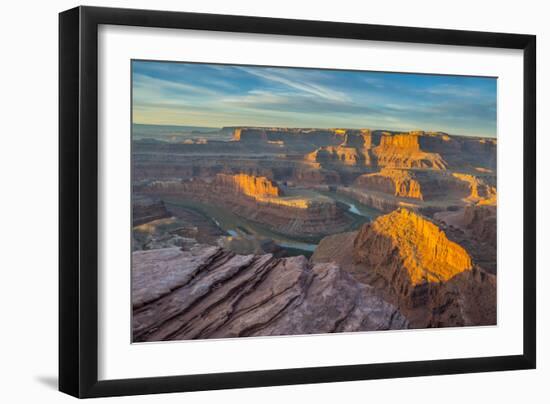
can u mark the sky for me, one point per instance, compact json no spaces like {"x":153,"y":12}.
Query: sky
{"x":210,"y":95}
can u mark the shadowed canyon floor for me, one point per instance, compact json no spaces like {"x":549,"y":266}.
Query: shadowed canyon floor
{"x":280,"y":231}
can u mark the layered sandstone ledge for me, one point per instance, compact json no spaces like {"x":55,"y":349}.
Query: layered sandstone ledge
{"x":349,"y":148}
{"x":385,"y":149}
{"x":419,"y":150}
{"x":206,"y":292}
{"x":146,"y":209}
{"x":426,"y":191}
{"x":401,"y":183}
{"x":252,"y":186}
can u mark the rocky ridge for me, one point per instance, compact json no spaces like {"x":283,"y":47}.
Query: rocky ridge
{"x":412,"y":264}
{"x":206,"y":292}
{"x":422,"y":252}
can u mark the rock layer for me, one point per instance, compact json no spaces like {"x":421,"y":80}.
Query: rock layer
{"x":400,"y":183}
{"x":423,"y":252}
{"x":403,"y":151}
{"x":253,"y":186}
{"x":207,"y":292}
{"x":146,"y":209}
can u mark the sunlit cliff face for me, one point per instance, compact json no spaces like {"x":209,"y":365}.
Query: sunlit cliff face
{"x":405,"y":141}
{"x":261,"y":189}
{"x":424,"y":252}
{"x":256,"y":186}
{"x":400,"y":183}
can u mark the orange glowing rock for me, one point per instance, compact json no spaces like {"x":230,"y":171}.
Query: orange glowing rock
{"x":408,"y":249}
{"x":253,"y":186}
{"x":401,"y":183}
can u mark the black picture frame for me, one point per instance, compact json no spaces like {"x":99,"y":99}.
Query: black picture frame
{"x":78,"y":201}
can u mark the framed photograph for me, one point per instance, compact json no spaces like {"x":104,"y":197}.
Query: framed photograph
{"x":251,"y":201}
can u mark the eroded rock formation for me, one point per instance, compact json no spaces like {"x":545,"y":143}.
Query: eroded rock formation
{"x":422,"y":252}
{"x":259,"y":200}
{"x":349,"y":156}
{"x":475,"y":228}
{"x":397,"y":150}
{"x":403,"y":151}
{"x":146,"y":209}
{"x":481,"y":192}
{"x":252,"y":186}
{"x":413,"y":264}
{"x":401,"y":183}
{"x":207,"y":292}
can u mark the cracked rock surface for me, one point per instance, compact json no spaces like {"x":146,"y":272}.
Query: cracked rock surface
{"x":207,"y":292}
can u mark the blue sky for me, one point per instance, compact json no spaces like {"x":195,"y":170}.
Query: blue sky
{"x":167,"y":93}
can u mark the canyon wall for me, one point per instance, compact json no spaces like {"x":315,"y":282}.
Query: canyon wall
{"x":260,"y":200}
{"x":255,"y":187}
{"x":146,"y":209}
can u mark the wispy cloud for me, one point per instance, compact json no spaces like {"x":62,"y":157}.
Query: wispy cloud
{"x":288,"y":78}
{"x":147,"y":82}
{"x":226,"y":95}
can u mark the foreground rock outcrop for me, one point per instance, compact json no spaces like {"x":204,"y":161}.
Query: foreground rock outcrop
{"x":412,"y":264}
{"x":207,"y":292}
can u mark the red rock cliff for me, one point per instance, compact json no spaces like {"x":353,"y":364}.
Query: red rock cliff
{"x":253,"y":186}
{"x":422,"y":252}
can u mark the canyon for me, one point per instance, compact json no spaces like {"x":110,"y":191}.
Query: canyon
{"x":278,"y":231}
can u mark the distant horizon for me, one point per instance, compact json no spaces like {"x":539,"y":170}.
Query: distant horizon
{"x":310,"y":127}
{"x":213,"y":95}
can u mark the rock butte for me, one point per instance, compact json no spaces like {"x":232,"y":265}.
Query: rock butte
{"x":412,"y":264}
{"x":400,"y":183}
{"x":426,"y":254}
{"x":249,"y":185}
